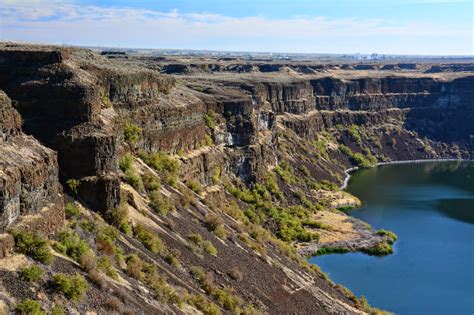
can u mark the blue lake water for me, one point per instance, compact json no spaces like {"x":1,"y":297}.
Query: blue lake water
{"x":430,"y":206}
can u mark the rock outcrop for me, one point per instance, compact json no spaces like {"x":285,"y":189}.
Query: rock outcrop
{"x":28,"y":173}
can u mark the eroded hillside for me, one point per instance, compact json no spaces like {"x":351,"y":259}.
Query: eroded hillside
{"x":179,"y":186}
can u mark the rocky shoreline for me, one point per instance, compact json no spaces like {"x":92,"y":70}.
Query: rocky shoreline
{"x":366,"y":239}
{"x":353,"y":169}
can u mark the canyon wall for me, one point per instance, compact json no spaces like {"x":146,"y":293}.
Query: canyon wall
{"x":76,"y":103}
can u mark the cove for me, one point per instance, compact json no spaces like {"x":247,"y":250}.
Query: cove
{"x":430,"y":206}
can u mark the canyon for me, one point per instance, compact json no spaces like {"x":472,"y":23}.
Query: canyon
{"x":256,"y":148}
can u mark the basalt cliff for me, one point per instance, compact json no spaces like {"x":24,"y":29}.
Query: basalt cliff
{"x":144,"y":185}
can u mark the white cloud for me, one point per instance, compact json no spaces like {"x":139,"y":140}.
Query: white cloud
{"x":65,"y":22}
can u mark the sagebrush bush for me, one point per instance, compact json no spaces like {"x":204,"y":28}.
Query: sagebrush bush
{"x":88,"y":260}
{"x":215,"y":224}
{"x":105,"y":265}
{"x":29,"y":307}
{"x":133,"y":179}
{"x":201,"y":244}
{"x":210,"y":119}
{"x":126,"y":162}
{"x":194,"y":186}
{"x":73,"y":185}
{"x":236,"y":274}
{"x":70,"y":244}
{"x":381,"y":249}
{"x":332,"y":250}
{"x":216,"y":175}
{"x":118,"y":217}
{"x":33,"y":246}
{"x":160,"y":204}
{"x":150,"y":182}
{"x":134,"y":266}
{"x":164,"y":164}
{"x":57,"y":309}
{"x":71,"y":210}
{"x":392,"y":237}
{"x":202,"y":304}
{"x":131,"y":132}
{"x":31,"y":274}
{"x":71,"y":286}
{"x":223,"y":296}
{"x":149,"y":239}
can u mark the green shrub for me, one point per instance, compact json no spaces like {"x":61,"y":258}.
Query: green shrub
{"x":354,"y":134}
{"x":70,"y":244}
{"x":215,"y":224}
{"x":286,"y":173}
{"x":332,"y":250}
{"x":72,"y":210}
{"x":73,"y":185}
{"x":208,"y":140}
{"x":163,"y":163}
{"x":202,"y":304}
{"x":194,"y":186}
{"x":172,"y":260}
{"x":126,"y":162}
{"x":88,"y":226}
{"x":392,"y":237}
{"x":32,"y":273}
{"x":105,"y":265}
{"x":106,"y":100}
{"x":150,"y":240}
{"x":223,"y":296}
{"x":127,"y":165}
{"x":133,"y":179}
{"x":131,"y":132}
{"x":88,"y":261}
{"x":381,"y":249}
{"x":202,"y":244}
{"x":195,"y":238}
{"x":29,"y":307}
{"x":71,"y":286}
{"x":216,"y":175}
{"x":134,"y":266}
{"x":345,"y":208}
{"x":58,"y":309}
{"x":209,"y":248}
{"x":160,"y":287}
{"x":150,"y":182}
{"x":118,"y":217}
{"x":357,"y":158}
{"x":160,"y":204}
{"x":316,"y":225}
{"x":210,"y":119}
{"x":321,"y":148}
{"x":160,"y":161}
{"x":33,"y":246}
{"x":327,"y":185}
{"x":271,"y":185}
{"x":303,"y":169}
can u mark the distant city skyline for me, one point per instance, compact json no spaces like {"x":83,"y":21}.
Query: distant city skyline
{"x":403,"y":27}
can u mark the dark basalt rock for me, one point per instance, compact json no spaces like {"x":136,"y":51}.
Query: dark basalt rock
{"x":28,"y":171}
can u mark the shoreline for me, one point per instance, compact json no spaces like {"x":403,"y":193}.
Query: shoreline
{"x":348,"y":171}
{"x":367,"y":239}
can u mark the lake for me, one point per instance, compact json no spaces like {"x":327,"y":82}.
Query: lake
{"x":430,"y":206}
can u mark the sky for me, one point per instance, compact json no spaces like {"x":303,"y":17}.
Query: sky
{"x":409,"y":27}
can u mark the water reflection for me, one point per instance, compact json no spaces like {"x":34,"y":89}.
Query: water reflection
{"x":431,"y":208}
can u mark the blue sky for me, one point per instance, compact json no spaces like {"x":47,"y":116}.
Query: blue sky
{"x":437,"y":27}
